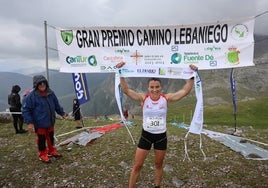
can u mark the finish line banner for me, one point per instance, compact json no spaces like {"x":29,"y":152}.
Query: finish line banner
{"x":209,"y":46}
{"x":158,"y":72}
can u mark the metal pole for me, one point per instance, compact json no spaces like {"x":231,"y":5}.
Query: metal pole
{"x":235,"y":120}
{"x":47,"y":74}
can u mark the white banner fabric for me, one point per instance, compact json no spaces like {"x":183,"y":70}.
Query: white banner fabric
{"x":156,"y":71}
{"x":196,"y":126}
{"x":216,"y":45}
{"x":185,"y":73}
{"x":117,"y":95}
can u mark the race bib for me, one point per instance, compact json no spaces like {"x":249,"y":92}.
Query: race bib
{"x":155,"y":123}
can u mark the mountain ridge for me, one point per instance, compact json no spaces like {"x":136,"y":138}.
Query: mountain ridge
{"x":251,"y":82}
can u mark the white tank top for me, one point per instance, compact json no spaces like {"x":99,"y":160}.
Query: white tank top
{"x":154,"y":114}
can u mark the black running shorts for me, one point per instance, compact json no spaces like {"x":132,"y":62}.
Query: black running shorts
{"x":158,"y":140}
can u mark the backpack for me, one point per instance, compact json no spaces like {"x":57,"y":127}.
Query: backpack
{"x":14,"y":100}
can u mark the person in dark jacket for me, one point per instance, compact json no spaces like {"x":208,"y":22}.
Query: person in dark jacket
{"x":39,"y":112}
{"x":77,"y":113}
{"x":15,"y":109}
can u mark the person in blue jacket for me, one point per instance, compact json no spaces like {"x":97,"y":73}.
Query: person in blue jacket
{"x":39,"y":112}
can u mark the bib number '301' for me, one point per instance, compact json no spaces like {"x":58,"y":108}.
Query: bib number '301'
{"x":155,"y":123}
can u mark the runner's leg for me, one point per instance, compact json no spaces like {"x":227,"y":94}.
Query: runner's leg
{"x":140,"y":157}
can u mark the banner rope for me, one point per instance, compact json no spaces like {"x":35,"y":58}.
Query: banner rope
{"x":122,"y":115}
{"x":196,"y":125}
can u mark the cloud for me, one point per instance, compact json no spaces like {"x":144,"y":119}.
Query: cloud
{"x":18,"y":38}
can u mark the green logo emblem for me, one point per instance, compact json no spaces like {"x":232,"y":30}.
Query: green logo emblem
{"x":239,"y":32}
{"x":92,"y":61}
{"x":67,"y":36}
{"x":176,"y":58}
{"x":162,"y":71}
{"x":233,"y":55}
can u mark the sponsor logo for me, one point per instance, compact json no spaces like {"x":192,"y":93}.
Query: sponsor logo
{"x":175,"y":71}
{"x":176,"y":58}
{"x":136,"y":56}
{"x":212,"y":48}
{"x":82,"y":60}
{"x":113,"y":59}
{"x":213,"y":63}
{"x":150,"y":71}
{"x":174,"y":48}
{"x":195,"y":57}
{"x":92,"y":61}
{"x":79,"y":89}
{"x":104,"y":68}
{"x":122,"y":71}
{"x":122,"y":51}
{"x":162,"y":71}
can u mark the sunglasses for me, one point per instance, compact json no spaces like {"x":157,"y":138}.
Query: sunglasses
{"x":42,"y":83}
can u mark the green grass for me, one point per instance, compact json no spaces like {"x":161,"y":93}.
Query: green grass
{"x":249,"y":113}
{"x":107,"y":161}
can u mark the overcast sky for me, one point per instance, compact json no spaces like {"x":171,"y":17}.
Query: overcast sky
{"x":22,"y":40}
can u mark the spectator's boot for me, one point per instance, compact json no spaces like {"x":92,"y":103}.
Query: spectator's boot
{"x":43,"y":156}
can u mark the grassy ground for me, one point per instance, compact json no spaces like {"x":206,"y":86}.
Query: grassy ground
{"x":249,"y":113}
{"x":107,"y":161}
